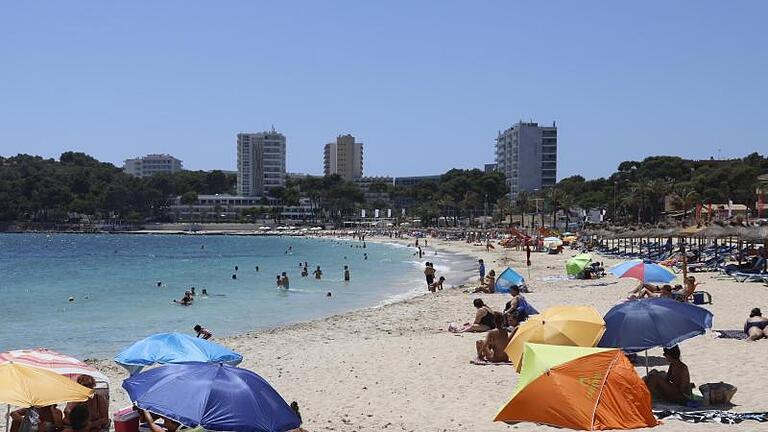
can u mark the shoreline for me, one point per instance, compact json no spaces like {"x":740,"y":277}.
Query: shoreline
{"x":395,"y":366}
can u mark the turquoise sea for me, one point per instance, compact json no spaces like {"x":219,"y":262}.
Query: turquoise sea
{"x":112,"y":280}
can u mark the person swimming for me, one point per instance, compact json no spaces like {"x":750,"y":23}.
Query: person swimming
{"x":204,"y":293}
{"x":159,"y":284}
{"x":234,"y":276}
{"x":257,"y":268}
{"x":193,"y":293}
{"x":236,"y":268}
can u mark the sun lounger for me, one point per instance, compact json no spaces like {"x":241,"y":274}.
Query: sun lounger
{"x":749,"y":277}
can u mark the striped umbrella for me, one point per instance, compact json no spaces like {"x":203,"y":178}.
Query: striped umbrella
{"x":53,"y":361}
{"x":643,"y":271}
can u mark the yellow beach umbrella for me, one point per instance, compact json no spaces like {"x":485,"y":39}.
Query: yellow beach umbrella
{"x":26,"y":386}
{"x":559,"y":325}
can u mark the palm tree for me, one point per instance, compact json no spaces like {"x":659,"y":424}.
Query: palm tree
{"x":685,"y":198}
{"x":523,"y":203}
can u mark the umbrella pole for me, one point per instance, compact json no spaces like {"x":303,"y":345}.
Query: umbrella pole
{"x":646,"y":362}
{"x":7,"y":416}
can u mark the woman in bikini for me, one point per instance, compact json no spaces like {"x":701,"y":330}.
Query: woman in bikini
{"x":483,"y":320}
{"x":98,"y":407}
{"x":756,"y":326}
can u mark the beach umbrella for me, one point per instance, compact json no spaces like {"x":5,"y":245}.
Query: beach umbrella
{"x":579,"y":388}
{"x":165,"y":348}
{"x":27,"y":386}
{"x":638,"y":325}
{"x":506,"y":279}
{"x":552,"y":242}
{"x":642,"y":271}
{"x":559,"y":325}
{"x":214,"y":396}
{"x":56,"y":362}
{"x":576,"y":264}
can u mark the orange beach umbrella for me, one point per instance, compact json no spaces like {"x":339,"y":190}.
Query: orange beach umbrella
{"x":579,"y":388}
{"x":26,"y":386}
{"x":559,"y":325}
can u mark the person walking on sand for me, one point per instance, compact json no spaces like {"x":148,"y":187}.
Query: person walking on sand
{"x":481,"y":270}
{"x":429,"y":273}
{"x":318,"y":273}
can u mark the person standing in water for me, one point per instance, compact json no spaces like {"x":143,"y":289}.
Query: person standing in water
{"x":318,"y":273}
{"x":346,"y":273}
{"x":279,"y":282}
{"x":284,"y":280}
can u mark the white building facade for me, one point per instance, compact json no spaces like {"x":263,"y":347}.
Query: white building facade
{"x":526,"y":154}
{"x":260,"y":162}
{"x":152,"y":164}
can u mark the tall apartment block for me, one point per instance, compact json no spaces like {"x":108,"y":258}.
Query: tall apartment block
{"x":344,"y":157}
{"x":151,"y":164}
{"x":260,"y":162}
{"x":526,"y":154}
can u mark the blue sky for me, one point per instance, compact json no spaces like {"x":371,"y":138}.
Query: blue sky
{"x":425,"y":85}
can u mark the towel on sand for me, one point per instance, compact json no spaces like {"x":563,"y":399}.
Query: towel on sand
{"x":731,"y":334}
{"x":712,"y":416}
{"x":487,"y":363}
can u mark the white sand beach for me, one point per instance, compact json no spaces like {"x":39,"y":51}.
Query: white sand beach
{"x":397,"y":367}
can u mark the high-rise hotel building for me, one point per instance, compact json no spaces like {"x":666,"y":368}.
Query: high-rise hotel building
{"x":526,"y":154}
{"x":344,"y":157}
{"x":260,"y":162}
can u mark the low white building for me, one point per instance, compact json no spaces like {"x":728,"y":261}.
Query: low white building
{"x":152,"y":164}
{"x":233,"y":208}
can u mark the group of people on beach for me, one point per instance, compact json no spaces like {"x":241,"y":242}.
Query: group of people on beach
{"x":89,"y":416}
{"x":678,"y":292}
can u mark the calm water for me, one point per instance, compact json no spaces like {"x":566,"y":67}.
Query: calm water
{"x":113,"y":279}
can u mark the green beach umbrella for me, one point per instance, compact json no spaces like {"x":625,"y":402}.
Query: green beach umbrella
{"x":576,"y":264}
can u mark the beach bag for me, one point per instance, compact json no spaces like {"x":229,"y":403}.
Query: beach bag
{"x":717,"y":393}
{"x":31,"y":421}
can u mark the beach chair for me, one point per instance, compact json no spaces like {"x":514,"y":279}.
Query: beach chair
{"x":699,"y":298}
{"x":749,"y":277}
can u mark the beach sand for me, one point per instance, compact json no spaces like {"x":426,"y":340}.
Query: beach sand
{"x":396,"y":367}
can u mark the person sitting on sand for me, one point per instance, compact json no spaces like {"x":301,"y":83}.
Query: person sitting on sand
{"x":79,"y":419}
{"x":492,"y":348}
{"x":203,"y":332}
{"x":98,"y":408}
{"x":673,"y":386}
{"x":168,"y":424}
{"x":434,"y":286}
{"x":517,"y":310}
{"x":49,"y":417}
{"x":483,"y":320}
{"x":756,"y":326}
{"x":490,"y":284}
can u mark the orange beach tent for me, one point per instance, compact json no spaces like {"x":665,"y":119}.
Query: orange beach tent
{"x":579,"y":388}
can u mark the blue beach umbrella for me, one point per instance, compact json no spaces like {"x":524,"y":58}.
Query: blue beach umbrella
{"x":638,"y":325}
{"x":506,"y":279}
{"x":173,"y":348}
{"x":214,"y":396}
{"x":643,"y":271}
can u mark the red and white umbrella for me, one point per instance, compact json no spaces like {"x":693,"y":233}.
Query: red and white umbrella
{"x":53,"y":361}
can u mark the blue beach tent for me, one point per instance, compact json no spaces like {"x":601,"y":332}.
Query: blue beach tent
{"x":506,"y":279}
{"x":165,"y":348}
